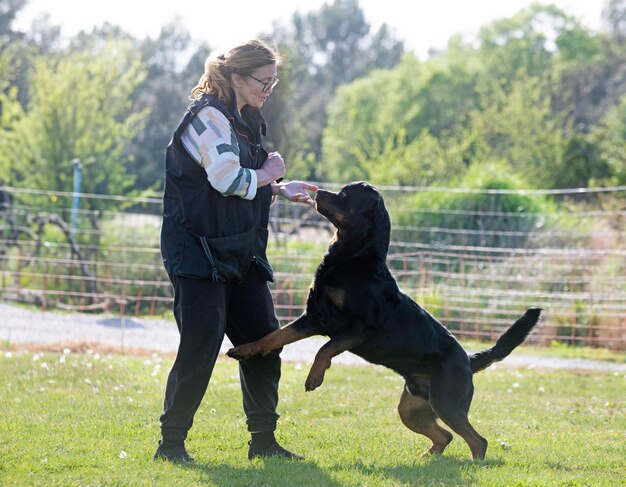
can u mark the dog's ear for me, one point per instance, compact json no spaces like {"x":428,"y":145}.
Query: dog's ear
{"x":382,"y":225}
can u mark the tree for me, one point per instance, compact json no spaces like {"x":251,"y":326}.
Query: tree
{"x":8,"y":11}
{"x":610,"y":139}
{"x":80,"y":108}
{"x":164,"y":91}
{"x":11,"y":49}
{"x":525,"y":43}
{"x":328,"y":47}
{"x":518,"y":125}
{"x":376,"y":117}
{"x":11,"y":148}
{"x":526,"y":93}
{"x":614,"y":17}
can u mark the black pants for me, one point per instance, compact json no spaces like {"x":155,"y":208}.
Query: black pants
{"x":204,"y":311}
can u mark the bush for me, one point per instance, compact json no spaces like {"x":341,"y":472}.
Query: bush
{"x":478,"y":216}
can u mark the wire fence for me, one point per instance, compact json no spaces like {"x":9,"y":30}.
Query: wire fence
{"x":475,"y":267}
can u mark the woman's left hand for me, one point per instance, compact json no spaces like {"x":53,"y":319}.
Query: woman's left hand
{"x":297,"y":191}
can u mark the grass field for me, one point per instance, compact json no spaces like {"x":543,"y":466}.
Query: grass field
{"x":90,"y":419}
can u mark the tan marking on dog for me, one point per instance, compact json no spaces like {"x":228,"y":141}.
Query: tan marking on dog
{"x":337,"y":296}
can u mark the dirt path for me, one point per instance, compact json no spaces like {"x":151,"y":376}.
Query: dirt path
{"x":24,"y":326}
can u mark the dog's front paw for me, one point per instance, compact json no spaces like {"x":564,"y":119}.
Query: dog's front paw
{"x":314,"y":380}
{"x":242,"y":352}
{"x":313,"y":383}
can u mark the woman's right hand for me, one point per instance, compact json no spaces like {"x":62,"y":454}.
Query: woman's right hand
{"x":274,"y":166}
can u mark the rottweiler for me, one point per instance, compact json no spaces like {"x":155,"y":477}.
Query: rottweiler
{"x":356,"y":302}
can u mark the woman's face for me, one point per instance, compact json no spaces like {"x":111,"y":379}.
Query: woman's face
{"x":254,"y":89}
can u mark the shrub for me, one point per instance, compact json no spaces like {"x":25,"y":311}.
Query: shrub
{"x":486,"y":212}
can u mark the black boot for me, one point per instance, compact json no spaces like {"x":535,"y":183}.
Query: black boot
{"x":172,"y":451}
{"x":264,"y":445}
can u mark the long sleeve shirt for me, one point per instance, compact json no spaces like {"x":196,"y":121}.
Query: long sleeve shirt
{"x":211,"y":141}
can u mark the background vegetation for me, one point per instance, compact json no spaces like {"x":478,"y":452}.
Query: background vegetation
{"x":481,"y":137}
{"x":537,"y":91}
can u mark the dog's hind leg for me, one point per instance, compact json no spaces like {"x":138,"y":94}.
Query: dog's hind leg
{"x":417,"y":415}
{"x":450,"y":398}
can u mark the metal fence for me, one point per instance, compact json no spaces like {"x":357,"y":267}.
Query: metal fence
{"x":102,"y":255}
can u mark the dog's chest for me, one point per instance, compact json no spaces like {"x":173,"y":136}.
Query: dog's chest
{"x":330,"y":310}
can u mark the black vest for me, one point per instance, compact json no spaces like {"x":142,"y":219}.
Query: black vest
{"x":204,"y":233}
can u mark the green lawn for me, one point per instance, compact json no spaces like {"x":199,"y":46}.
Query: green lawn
{"x":90,"y":419}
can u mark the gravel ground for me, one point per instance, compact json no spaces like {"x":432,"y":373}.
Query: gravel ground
{"x":24,"y":326}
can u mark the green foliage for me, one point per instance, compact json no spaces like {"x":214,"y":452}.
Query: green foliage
{"x":80,"y":108}
{"x":164,"y":92}
{"x":537,"y":90}
{"x":11,"y":142}
{"x":519,"y":126}
{"x":377,"y":125}
{"x":325,"y":48}
{"x":353,"y":127}
{"x":614,"y":17}
{"x":525,"y":93}
{"x":433,"y":301}
{"x":467,"y":218}
{"x":92,"y":418}
{"x":524,"y":44}
{"x":610,"y":139}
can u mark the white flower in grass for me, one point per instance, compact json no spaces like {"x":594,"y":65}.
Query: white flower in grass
{"x":504,"y":444}
{"x":123,"y":454}
{"x":515,"y":385}
{"x":62,"y":359}
{"x":35,"y":357}
{"x":541,"y":389}
{"x":44,"y":365}
{"x":66,"y":351}
{"x":8,"y":355}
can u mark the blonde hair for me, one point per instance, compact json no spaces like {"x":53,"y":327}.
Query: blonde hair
{"x":241,"y":59}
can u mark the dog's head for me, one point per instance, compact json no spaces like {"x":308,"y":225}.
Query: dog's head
{"x":359,"y":214}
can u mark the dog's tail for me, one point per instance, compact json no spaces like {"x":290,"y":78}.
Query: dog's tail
{"x":509,"y":340}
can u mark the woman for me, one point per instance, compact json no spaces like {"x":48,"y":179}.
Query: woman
{"x":219,"y":184}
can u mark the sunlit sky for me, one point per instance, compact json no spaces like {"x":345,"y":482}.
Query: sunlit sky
{"x":423,"y":25}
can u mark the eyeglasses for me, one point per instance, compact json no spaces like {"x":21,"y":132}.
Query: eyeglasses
{"x":267,"y":85}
